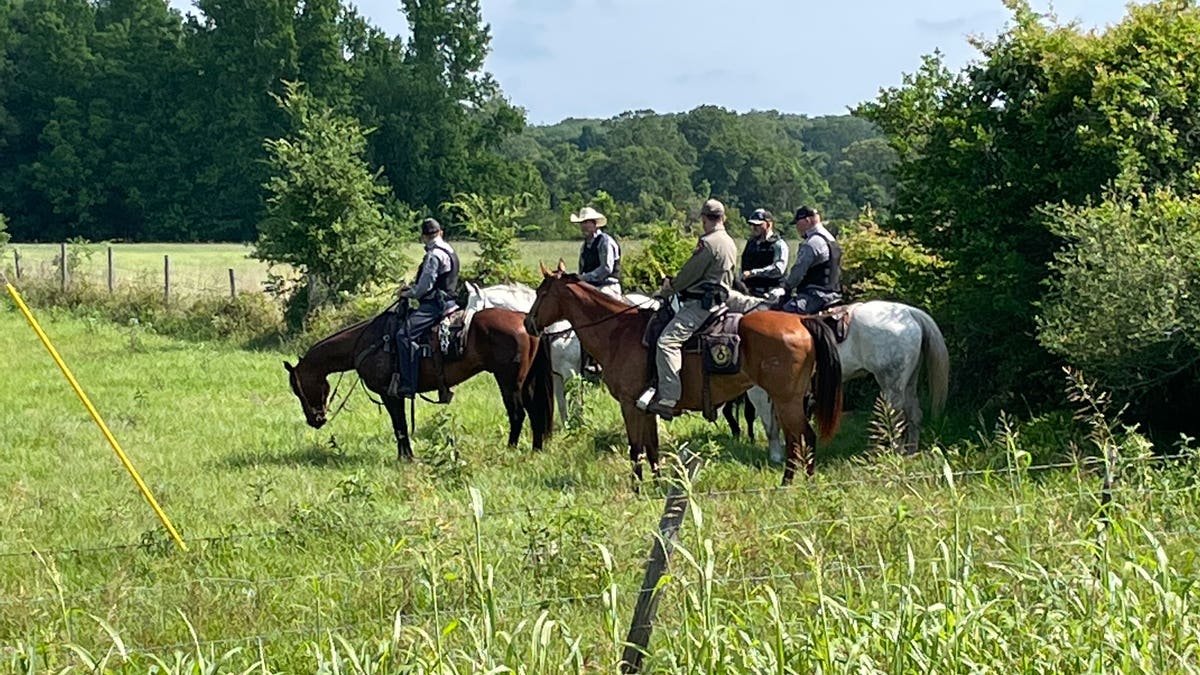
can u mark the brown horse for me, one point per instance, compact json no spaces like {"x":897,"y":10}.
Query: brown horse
{"x":780,"y":353}
{"x":496,"y":342}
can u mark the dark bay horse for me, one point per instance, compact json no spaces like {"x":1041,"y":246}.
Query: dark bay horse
{"x":496,"y":342}
{"x":780,"y":353}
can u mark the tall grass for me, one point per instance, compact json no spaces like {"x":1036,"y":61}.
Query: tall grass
{"x":314,"y":551}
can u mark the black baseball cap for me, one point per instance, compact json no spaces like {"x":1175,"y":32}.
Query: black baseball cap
{"x":760,"y":216}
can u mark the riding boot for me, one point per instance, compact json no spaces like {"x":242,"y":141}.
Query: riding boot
{"x":404,"y":381}
{"x":591,"y":369}
{"x":444,"y":393}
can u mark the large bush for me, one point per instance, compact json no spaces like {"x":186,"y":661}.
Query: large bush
{"x":879,"y":264}
{"x":495,"y":223}
{"x":665,"y":250}
{"x":1048,"y":114}
{"x":327,"y":213}
{"x":1124,"y":301}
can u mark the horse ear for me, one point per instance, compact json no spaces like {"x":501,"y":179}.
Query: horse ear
{"x":562,"y":266}
{"x":545,"y":272}
{"x":289,"y":367}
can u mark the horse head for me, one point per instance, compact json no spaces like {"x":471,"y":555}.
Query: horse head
{"x":313,"y":391}
{"x":547,"y":306}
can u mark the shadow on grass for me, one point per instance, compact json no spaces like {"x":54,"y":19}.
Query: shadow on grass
{"x":320,"y":455}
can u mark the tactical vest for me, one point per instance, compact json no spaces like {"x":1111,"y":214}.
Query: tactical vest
{"x":445,"y":286}
{"x":590,"y":257}
{"x":760,"y":253}
{"x":825,"y":276}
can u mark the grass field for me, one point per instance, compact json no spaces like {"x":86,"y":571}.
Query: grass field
{"x":315,"y":551}
{"x":203,"y":268}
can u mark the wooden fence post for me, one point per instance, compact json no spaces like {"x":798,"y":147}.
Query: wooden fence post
{"x":111,"y":273}
{"x":62,"y":266}
{"x":660,"y":556}
{"x":167,"y":279}
{"x":232,"y":285}
{"x":17,"y":262}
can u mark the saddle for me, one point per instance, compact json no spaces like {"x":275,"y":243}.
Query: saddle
{"x":444,"y":342}
{"x":716,"y":341}
{"x":452,"y":335}
{"x":448,"y":335}
{"x":837,"y":317}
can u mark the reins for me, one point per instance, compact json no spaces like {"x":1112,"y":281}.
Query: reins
{"x":597,"y":322}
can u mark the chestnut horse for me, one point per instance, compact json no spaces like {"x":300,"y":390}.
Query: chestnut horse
{"x":496,"y":342}
{"x":780,"y":352}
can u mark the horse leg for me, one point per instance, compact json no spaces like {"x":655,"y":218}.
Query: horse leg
{"x":750,"y":413}
{"x":729,"y":410}
{"x":650,"y":445}
{"x":912,"y":411}
{"x":765,"y":410}
{"x":800,"y":438}
{"x":634,"y":428}
{"x":510,"y":393}
{"x":395,"y":408}
{"x":560,"y":397}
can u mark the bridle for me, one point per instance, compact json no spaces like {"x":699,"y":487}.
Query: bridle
{"x":590,"y":324}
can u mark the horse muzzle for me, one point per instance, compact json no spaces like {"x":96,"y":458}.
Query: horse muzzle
{"x":317,"y":420}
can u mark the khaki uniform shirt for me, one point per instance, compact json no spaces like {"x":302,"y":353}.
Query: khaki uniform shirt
{"x":711,"y":263}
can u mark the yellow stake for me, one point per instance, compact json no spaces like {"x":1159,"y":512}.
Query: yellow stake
{"x":95,"y":415}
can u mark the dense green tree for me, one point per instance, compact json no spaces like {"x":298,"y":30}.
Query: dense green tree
{"x":1049,"y":114}
{"x":326,"y":213}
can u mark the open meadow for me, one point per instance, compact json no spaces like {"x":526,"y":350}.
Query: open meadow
{"x":316,"y":551}
{"x":203,"y":268}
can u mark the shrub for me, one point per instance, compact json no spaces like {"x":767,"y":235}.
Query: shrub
{"x":879,"y":264}
{"x":1124,"y":301}
{"x":665,"y":251}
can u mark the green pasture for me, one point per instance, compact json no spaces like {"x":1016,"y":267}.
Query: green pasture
{"x":203,"y":268}
{"x":316,"y":551}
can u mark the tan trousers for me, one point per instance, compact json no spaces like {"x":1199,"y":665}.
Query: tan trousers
{"x":670,"y":348}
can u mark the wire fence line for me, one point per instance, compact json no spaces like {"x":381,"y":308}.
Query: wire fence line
{"x":1082,"y":464}
{"x":267,"y":588}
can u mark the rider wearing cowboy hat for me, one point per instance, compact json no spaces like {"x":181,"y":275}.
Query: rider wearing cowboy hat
{"x":599,"y":256}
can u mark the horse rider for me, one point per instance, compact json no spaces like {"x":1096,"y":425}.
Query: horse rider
{"x":435,"y":292}
{"x":702,"y":286}
{"x":765,"y":258}
{"x":599,"y":256}
{"x":814,"y":282}
{"x":599,"y":264}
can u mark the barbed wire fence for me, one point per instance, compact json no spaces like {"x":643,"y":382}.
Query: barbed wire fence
{"x":1089,"y":492}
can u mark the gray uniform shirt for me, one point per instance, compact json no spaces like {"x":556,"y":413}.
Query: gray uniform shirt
{"x":437,"y":261}
{"x":813,"y":250}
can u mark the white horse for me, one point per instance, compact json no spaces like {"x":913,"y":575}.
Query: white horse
{"x":566,"y":355}
{"x":889,"y":340}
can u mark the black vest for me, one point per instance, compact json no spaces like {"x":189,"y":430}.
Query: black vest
{"x":590,"y":257}
{"x":825,"y":276}
{"x":445,"y":286}
{"x":760,"y":253}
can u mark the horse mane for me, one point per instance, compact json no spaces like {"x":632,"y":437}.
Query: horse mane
{"x":330,"y":338}
{"x":615,"y":304}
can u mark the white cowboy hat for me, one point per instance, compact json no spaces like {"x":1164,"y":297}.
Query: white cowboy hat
{"x":588,"y":213}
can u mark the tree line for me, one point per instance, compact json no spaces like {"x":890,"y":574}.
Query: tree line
{"x":126,"y":120}
{"x":1041,"y":201}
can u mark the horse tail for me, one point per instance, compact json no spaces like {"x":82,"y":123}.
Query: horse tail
{"x":827,"y":377}
{"x":937,"y":360}
{"x":539,"y":390}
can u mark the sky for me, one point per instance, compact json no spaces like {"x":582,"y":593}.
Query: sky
{"x":599,"y":58}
